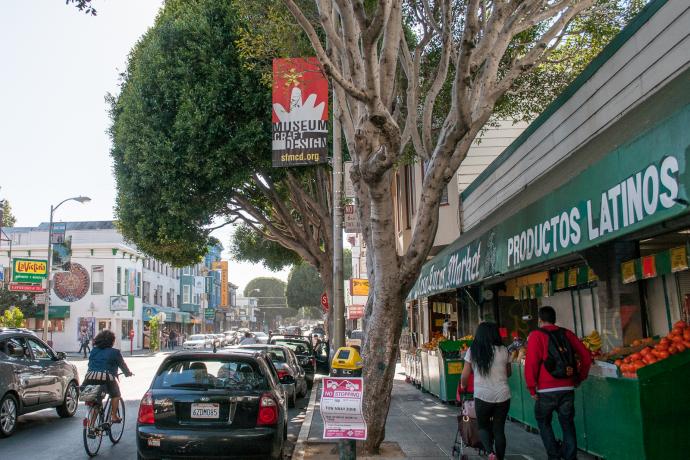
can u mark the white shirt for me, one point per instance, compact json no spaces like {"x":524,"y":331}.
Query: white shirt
{"x":494,"y":387}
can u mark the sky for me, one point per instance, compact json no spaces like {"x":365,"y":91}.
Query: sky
{"x":56,"y":67}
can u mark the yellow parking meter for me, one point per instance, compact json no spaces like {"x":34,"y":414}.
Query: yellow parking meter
{"x":347,"y":362}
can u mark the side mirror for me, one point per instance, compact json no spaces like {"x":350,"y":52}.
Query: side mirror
{"x":60,"y":356}
{"x":287,"y":380}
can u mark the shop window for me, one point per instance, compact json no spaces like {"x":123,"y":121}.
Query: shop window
{"x":186,"y":294}
{"x":54,"y":325}
{"x":97,"y":279}
{"x":127,"y":325}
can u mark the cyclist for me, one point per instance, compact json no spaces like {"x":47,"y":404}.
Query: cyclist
{"x":104,"y":361}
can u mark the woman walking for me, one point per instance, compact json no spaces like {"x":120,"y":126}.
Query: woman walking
{"x":489,"y":360}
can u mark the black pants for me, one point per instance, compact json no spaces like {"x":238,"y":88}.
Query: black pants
{"x":85,"y":347}
{"x":563,"y":403}
{"x":491,"y":418}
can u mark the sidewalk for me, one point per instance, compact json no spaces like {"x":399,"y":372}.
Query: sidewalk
{"x":419,"y":427}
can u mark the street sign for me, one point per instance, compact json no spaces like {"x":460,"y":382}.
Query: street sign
{"x":341,"y":408}
{"x":359,"y":286}
{"x":17,"y":287}
{"x":29,"y":270}
{"x":350,"y":221}
{"x":119,"y":303}
{"x":40,"y":298}
{"x":324,"y":301}
{"x":209,"y":313}
{"x":57,"y":235}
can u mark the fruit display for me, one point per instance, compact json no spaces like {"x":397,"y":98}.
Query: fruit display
{"x":592,"y":342}
{"x":433,"y":344}
{"x":650,"y":352}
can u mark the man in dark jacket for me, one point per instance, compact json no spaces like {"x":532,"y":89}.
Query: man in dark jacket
{"x":552,"y":393}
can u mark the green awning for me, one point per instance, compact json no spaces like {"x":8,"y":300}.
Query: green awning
{"x":54,"y":312}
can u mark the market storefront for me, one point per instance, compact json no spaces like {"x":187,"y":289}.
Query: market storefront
{"x":174,"y":320}
{"x":603,"y":236}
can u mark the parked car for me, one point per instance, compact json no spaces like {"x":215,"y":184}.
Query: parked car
{"x":286,"y":363}
{"x":261,"y":337}
{"x":198,"y":342}
{"x":304,"y":351}
{"x":356,"y":338}
{"x":203,"y":405}
{"x":230,"y":337}
{"x":220,"y":340}
{"x":33,"y":377}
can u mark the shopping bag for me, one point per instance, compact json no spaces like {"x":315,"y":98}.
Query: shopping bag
{"x":469,"y":431}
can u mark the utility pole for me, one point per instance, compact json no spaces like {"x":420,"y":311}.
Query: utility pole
{"x":346,"y":447}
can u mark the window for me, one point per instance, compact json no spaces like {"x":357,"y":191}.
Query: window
{"x":14,"y":348}
{"x":118,"y":281}
{"x":186,"y":294}
{"x":399,"y":203}
{"x":54,"y":325}
{"x":409,"y":195}
{"x":146,"y":294}
{"x":138,"y":281}
{"x":96,"y":279}
{"x":159,"y":290}
{"x":40,"y":351}
{"x":127,"y":325}
{"x":168,"y":302}
{"x":444,"y":196}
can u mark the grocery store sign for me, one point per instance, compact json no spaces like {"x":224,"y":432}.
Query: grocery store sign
{"x":29,"y":270}
{"x":641,"y":183}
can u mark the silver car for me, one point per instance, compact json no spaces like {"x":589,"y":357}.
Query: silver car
{"x":33,"y":377}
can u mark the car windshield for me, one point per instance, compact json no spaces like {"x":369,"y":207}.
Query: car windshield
{"x":299,"y":347}
{"x":277,"y":355}
{"x":259,"y":334}
{"x":197,"y":337}
{"x":210,"y":373}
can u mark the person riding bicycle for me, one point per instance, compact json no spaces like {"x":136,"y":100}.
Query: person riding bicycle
{"x":104,"y":361}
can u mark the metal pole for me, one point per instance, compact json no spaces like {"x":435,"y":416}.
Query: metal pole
{"x":338,"y":294}
{"x":46,"y":308}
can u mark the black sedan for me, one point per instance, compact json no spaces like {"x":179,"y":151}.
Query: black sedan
{"x":213,"y":405}
{"x":304,"y":351}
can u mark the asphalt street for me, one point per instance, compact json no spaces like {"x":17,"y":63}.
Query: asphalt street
{"x":45,"y":436}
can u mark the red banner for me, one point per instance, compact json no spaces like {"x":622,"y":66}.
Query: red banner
{"x":17,"y":287}
{"x":300,"y":112}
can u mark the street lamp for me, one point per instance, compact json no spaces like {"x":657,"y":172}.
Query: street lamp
{"x":80,"y":199}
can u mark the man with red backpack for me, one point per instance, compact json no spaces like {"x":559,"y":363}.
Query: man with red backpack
{"x":556,"y":363}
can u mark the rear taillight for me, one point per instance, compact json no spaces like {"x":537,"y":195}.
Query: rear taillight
{"x":146,"y":410}
{"x":268,"y":410}
{"x":282,"y":373}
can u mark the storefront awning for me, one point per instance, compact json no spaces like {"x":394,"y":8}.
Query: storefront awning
{"x":172,"y":315}
{"x":641,"y":183}
{"x":54,"y":312}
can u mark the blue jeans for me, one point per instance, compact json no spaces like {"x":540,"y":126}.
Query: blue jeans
{"x":563,"y":403}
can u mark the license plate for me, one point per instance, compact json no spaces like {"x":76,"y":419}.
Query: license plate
{"x":202,"y":410}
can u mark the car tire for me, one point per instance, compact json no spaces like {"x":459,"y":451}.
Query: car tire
{"x":70,"y":403}
{"x":303,"y":392}
{"x":9,"y":411}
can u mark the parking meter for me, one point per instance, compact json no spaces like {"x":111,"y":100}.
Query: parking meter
{"x":347,"y":362}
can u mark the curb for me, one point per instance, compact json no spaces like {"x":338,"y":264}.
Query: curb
{"x":301,"y":444}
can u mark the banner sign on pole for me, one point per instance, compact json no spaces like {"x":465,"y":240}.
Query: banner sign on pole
{"x":341,"y":408}
{"x":16,"y":287}
{"x":300,"y":113}
{"x":57,"y":233}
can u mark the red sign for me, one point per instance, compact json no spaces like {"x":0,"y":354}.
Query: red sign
{"x":17,"y":287}
{"x":648,"y":267}
{"x":324,"y":301}
{"x":300,"y":112}
{"x":341,"y":408}
{"x":355,"y":311}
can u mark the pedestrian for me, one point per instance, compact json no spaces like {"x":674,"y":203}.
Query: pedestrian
{"x":172,"y":339}
{"x":488,"y":360}
{"x":552,"y":373}
{"x":84,"y":343}
{"x":164,"y":339}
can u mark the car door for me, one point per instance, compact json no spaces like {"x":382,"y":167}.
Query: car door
{"x":50,"y":368}
{"x":321,"y":355}
{"x":299,"y":370}
{"x":27,"y":374}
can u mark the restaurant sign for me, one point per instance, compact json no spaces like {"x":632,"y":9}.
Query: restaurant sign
{"x":29,"y":270}
{"x":641,"y":183}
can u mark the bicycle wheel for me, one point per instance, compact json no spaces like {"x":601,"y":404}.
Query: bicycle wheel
{"x":115,"y":430}
{"x":92,"y":433}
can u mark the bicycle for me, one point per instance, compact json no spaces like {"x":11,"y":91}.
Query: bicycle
{"x":97,"y":421}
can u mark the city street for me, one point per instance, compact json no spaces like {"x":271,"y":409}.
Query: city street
{"x":44,"y":435}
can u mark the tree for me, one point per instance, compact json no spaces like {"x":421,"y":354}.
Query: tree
{"x":421,"y":78}
{"x":8,"y":219}
{"x":304,"y":287}
{"x":191,"y":134}
{"x":270,"y":293}
{"x":154,"y":334}
{"x":83,"y":5}
{"x":10,"y":299}
{"x":12,"y":317}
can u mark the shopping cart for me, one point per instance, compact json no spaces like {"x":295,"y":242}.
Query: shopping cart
{"x":467,"y":435}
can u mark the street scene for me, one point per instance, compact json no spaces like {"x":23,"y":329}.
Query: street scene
{"x":340,"y":229}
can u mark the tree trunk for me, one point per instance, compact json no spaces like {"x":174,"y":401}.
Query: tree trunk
{"x":381,"y":354}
